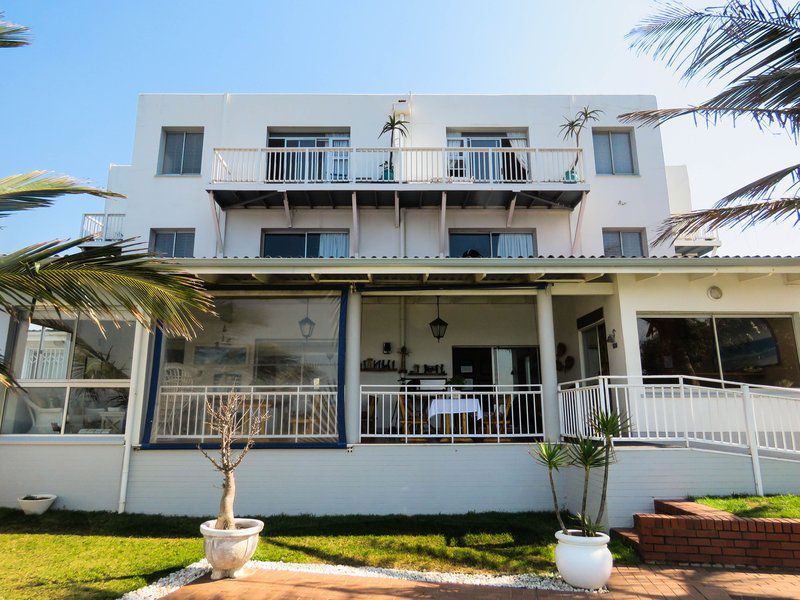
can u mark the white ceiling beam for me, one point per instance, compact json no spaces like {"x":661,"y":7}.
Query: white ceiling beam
{"x":535,"y":276}
{"x":753,"y":276}
{"x":592,"y":276}
{"x":262,"y":277}
{"x":646,"y":276}
{"x":699,"y":276}
{"x":511,"y":208}
{"x":286,"y":210}
{"x":479,"y":277}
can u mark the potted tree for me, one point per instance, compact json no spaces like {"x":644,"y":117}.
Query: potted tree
{"x":229,"y":542}
{"x":582,"y":555}
{"x":571,"y":129}
{"x":393,"y":124}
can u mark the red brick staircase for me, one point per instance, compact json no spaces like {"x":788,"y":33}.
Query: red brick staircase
{"x":680,"y":531}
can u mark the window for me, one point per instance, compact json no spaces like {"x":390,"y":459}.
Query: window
{"x":182,"y":152}
{"x":490,"y":244}
{"x":757,"y":350}
{"x":613,"y":152}
{"x":618,"y":242}
{"x":75,"y":377}
{"x":305,"y":244}
{"x":174,"y":243}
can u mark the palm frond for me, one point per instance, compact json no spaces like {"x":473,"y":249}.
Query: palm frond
{"x":13,"y":35}
{"x":394,"y":123}
{"x":6,"y":375}
{"x":763,"y":186}
{"x":38,"y":188}
{"x":745,"y":215}
{"x":775,"y":89}
{"x":105,"y":282}
{"x":747,"y":36}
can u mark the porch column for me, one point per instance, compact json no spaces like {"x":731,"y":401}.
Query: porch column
{"x":547,"y":363}
{"x":352,"y":370}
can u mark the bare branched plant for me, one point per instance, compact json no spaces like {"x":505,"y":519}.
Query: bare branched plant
{"x":233,"y":422}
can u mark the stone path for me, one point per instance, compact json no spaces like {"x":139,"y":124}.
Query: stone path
{"x":627,"y":583}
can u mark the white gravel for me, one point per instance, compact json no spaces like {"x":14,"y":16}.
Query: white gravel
{"x":175,"y":580}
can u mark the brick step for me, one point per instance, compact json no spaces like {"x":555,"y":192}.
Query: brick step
{"x":627,"y":535}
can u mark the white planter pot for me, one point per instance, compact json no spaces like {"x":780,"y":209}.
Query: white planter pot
{"x":228,"y":550}
{"x":38,"y":506}
{"x":583,"y":562}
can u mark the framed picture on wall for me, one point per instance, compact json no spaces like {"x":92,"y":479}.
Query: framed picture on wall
{"x":466,"y":368}
{"x":220,"y":355}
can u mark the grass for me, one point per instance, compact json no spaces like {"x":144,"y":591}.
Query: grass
{"x":771,"y":507}
{"x":65,"y":554}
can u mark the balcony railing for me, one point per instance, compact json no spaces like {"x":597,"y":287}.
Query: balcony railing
{"x":687,"y":410}
{"x":103,"y":227}
{"x":398,"y":165}
{"x":292,"y":413}
{"x":392,"y":413}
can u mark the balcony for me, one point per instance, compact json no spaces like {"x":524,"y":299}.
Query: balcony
{"x":102,"y":228}
{"x":401,"y":177}
{"x":698,"y":243}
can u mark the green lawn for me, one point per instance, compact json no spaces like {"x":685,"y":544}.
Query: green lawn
{"x":65,"y":554}
{"x":756,"y":506}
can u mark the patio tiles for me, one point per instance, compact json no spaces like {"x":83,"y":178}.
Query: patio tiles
{"x":627,"y":583}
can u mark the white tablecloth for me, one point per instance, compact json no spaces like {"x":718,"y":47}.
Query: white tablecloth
{"x":454,"y":406}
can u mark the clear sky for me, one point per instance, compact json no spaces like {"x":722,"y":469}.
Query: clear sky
{"x":68,"y":101}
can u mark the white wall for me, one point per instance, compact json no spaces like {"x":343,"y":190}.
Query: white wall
{"x":680,"y":194}
{"x":242,"y":120}
{"x":85,"y":476}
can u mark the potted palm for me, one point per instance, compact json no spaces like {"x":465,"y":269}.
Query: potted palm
{"x":571,"y":128}
{"x":229,"y":542}
{"x":393,"y":125}
{"x":582,"y":555}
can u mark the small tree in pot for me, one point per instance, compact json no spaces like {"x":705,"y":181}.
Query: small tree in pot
{"x":582,"y":554}
{"x":229,"y":542}
{"x":393,"y":124}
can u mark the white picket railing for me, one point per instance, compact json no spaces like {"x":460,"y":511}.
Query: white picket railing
{"x":403,"y":413}
{"x":686,"y":409}
{"x":398,"y":165}
{"x":291,"y":413}
{"x":103,"y":226}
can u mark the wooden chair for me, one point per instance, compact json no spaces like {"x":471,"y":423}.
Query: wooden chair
{"x":413,"y":414}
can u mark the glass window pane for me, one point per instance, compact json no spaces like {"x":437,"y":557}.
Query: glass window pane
{"x":102,"y":354}
{"x":34,"y":410}
{"x":623,"y":155}
{"x":612,"y":244}
{"x":97,"y":410}
{"x":759,"y":350}
{"x":328,"y":245}
{"x":632,"y":243}
{"x":43,"y":347}
{"x":184,"y":244}
{"x":164,"y":243}
{"x":313,"y":245}
{"x":173,"y":153}
{"x":471,"y":245}
{"x":512,"y":245}
{"x":285,"y":245}
{"x":602,"y":153}
{"x":677,"y":346}
{"x":192,"y":153}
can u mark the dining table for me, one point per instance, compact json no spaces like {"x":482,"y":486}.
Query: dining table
{"x":450,"y":406}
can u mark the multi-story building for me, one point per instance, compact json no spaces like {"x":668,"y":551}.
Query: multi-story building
{"x":411,"y":310}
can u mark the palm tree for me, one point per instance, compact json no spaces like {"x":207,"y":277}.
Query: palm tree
{"x":394,"y":124}
{"x":105,"y":282}
{"x":754,"y":44}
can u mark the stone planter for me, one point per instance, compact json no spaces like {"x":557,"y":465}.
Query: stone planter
{"x":228,"y":550}
{"x":583,"y":562}
{"x":36,"y":504}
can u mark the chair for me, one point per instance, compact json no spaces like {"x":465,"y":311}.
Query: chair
{"x":176,"y":374}
{"x":500,"y":416}
{"x":413,"y":413}
{"x":43,"y":419}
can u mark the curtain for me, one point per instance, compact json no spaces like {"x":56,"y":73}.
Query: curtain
{"x":522,"y":157}
{"x":333,"y":245}
{"x":514,"y":245}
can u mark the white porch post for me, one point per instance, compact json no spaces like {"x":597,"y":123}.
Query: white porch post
{"x":352,"y":370}
{"x":547,"y":361}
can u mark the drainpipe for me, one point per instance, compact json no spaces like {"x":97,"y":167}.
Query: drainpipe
{"x":135,"y":401}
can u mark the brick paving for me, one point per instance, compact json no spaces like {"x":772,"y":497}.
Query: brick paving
{"x":627,"y":583}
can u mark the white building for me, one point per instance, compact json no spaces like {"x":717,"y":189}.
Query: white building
{"x":332,"y":253}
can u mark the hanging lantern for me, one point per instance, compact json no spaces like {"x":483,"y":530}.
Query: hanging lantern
{"x":438,"y":325}
{"x":306,"y":324}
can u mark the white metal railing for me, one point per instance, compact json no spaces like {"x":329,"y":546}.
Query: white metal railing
{"x":686,"y":409}
{"x":403,"y":413}
{"x":45,"y":363}
{"x":103,"y":226}
{"x":292,"y":413}
{"x":398,"y":165}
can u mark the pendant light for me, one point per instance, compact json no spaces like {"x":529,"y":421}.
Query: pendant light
{"x":306,"y":324}
{"x":438,"y":325}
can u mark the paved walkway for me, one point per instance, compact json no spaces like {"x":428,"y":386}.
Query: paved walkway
{"x":627,"y":583}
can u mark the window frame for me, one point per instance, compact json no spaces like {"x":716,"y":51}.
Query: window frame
{"x":154,"y":231}
{"x":163,"y":147}
{"x":619,"y":231}
{"x":305,"y":233}
{"x":490,"y":232}
{"x":607,"y":131}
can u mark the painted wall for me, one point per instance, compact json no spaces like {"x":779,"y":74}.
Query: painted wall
{"x":85,"y":476}
{"x":242,"y":120}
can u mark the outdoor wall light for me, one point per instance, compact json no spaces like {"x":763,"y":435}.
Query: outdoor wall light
{"x":438,"y":325}
{"x":714,"y":292}
{"x":612,"y":338}
{"x":387,"y":347}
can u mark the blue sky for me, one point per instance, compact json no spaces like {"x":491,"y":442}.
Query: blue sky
{"x":69,"y":100}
